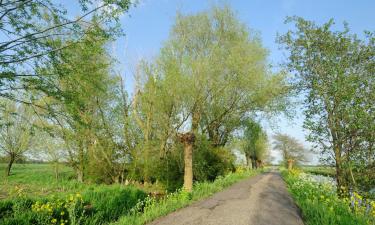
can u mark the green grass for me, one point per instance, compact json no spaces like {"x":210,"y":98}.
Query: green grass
{"x":151,"y":208}
{"x":31,"y":183}
{"x":320,"y":170}
{"x":37,"y":180}
{"x":320,"y":204}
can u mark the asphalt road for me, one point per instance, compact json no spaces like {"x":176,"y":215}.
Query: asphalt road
{"x":260,"y":200}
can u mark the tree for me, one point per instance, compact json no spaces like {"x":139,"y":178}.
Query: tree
{"x":31,"y":30}
{"x":16,"y":130}
{"x":211,"y":72}
{"x":85,"y":100}
{"x":292,"y":151}
{"x":334,"y":70}
{"x":254,"y":144}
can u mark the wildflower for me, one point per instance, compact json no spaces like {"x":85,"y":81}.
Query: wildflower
{"x":53,"y":220}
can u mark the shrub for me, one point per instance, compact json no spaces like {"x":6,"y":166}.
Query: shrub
{"x":209,"y":162}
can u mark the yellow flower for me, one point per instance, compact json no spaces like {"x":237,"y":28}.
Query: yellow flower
{"x":62,"y":213}
{"x":53,"y":220}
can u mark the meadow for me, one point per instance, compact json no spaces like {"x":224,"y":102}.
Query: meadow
{"x":320,"y":170}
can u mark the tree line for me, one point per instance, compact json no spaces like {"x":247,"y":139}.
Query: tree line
{"x":62,"y":100}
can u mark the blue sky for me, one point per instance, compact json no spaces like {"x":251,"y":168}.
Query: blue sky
{"x":147,"y":26}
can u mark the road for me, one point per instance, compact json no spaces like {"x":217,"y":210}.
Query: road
{"x":260,"y":200}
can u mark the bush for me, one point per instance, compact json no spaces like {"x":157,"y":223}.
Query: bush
{"x":209,"y":162}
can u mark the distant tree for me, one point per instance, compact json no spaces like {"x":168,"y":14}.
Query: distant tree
{"x":335,"y":70}
{"x":255,"y":144}
{"x":16,"y":130}
{"x":293,"y":152}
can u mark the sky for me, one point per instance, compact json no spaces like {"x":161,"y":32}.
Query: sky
{"x":147,"y":26}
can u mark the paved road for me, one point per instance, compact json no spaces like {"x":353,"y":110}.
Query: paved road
{"x":261,"y":200}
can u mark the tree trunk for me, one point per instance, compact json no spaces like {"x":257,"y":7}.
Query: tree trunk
{"x":57,"y":171}
{"x":80,"y":176}
{"x":339,"y":171}
{"x":188,"y":140}
{"x":290,"y":164}
{"x":253,"y":163}
{"x":248,"y":162}
{"x":10,"y":163}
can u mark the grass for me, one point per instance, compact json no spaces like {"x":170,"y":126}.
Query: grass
{"x":320,"y":170}
{"x":32,"y":183}
{"x":150,"y":209}
{"x":37,"y":180}
{"x":320,"y":204}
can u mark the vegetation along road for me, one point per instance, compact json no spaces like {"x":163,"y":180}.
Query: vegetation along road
{"x":261,"y":200}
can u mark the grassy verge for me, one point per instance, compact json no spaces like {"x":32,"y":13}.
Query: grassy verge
{"x":151,"y":208}
{"x":99,"y":205}
{"x":320,"y":204}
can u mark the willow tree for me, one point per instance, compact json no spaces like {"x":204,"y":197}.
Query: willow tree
{"x":84,"y":102}
{"x":292,"y":151}
{"x":215,"y":70}
{"x":16,"y":130}
{"x":335,"y":71}
{"x":255,"y":144}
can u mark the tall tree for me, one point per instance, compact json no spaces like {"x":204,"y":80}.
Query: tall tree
{"x":334,"y":69}
{"x":85,"y":100}
{"x":213,"y":72}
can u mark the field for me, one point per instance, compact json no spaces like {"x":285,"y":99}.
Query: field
{"x":320,"y":170}
{"x":37,"y":180}
{"x":32,"y":194}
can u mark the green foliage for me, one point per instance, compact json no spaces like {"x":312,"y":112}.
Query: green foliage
{"x":32,"y":30}
{"x":255,"y":143}
{"x":211,"y":162}
{"x":321,"y":205}
{"x":334,"y":69}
